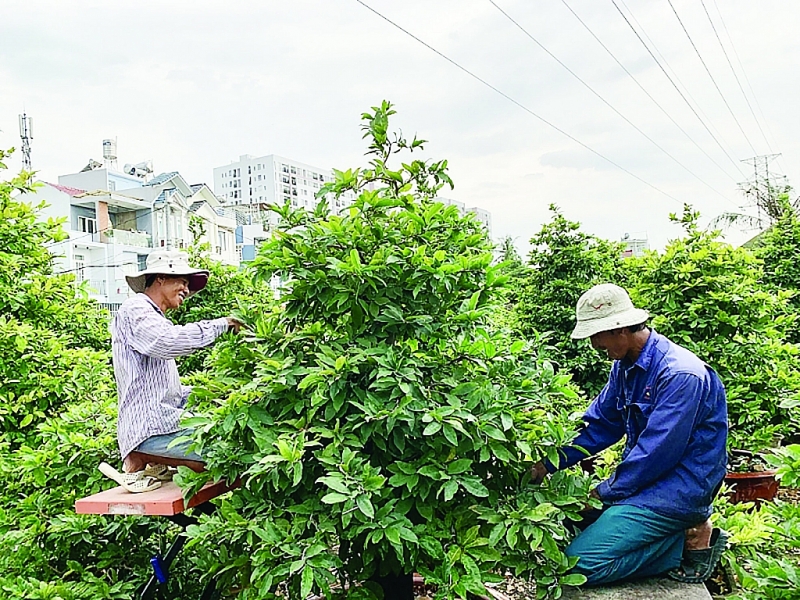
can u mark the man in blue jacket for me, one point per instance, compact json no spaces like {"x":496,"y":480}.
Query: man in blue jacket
{"x":670,"y":407}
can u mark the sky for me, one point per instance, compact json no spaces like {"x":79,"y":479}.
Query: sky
{"x":194,"y":84}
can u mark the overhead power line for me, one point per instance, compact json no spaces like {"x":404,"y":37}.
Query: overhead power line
{"x":641,"y":87}
{"x":517,"y":103}
{"x":708,"y":71}
{"x":672,"y":71}
{"x":607,"y":103}
{"x":677,"y":89}
{"x":744,"y":73}
{"x":735,"y":76}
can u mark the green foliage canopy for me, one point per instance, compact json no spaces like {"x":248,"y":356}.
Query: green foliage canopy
{"x":709,"y":297}
{"x":378,"y":424}
{"x":563,"y":263}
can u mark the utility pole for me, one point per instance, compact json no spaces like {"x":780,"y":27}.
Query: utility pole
{"x":26,"y":133}
{"x":765,"y":188}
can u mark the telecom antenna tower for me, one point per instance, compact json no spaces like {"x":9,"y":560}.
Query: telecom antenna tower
{"x":26,"y":133}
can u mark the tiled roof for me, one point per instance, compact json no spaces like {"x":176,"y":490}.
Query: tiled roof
{"x":196,"y":186}
{"x":164,"y":177}
{"x":196,"y":205}
{"x":66,"y":189}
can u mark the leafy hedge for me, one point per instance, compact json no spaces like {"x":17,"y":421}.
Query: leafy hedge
{"x":709,"y":297}
{"x":379,"y":426}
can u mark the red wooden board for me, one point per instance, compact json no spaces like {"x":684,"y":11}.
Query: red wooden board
{"x":165,"y":501}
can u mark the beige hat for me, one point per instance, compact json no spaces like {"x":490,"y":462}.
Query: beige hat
{"x":603,"y":308}
{"x":169,"y":262}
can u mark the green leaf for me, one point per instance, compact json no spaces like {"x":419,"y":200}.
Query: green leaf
{"x":365,"y":506}
{"x":306,"y":581}
{"x":573,"y":579}
{"x":474,"y":487}
{"x":334,"y":498}
{"x":459,"y":466}
{"x":432,"y":428}
{"x":449,"y":490}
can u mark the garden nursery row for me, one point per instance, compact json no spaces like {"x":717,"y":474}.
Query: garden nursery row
{"x":382,"y":411}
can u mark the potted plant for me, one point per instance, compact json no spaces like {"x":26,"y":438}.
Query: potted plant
{"x":750,"y":477}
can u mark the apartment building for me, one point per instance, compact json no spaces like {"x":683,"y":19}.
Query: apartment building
{"x":248,"y":186}
{"x":481,"y":215}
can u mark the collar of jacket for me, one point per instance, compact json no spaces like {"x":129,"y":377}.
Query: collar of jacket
{"x":646,"y":355}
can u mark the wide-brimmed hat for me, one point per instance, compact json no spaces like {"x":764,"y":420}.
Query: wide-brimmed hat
{"x":169,"y":262}
{"x":603,"y":308}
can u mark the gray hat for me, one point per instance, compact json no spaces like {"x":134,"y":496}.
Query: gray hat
{"x":169,"y":262}
{"x":603,"y":308}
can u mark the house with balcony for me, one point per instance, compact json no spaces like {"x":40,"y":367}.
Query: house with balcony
{"x":114,"y":221}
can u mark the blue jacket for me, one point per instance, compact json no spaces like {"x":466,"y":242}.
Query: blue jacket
{"x":672,"y":408}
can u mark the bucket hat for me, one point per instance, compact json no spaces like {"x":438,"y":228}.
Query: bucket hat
{"x":603,"y":308}
{"x":169,"y":262}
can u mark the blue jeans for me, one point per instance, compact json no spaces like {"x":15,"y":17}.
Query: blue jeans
{"x":157,"y":445}
{"x":628,"y":542}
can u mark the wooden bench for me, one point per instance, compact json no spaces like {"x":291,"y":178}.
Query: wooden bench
{"x":167,"y":501}
{"x":645,"y":589}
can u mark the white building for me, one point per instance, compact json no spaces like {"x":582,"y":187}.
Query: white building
{"x":252,"y":183}
{"x":481,"y":215}
{"x":114,"y":221}
{"x":635,"y":245}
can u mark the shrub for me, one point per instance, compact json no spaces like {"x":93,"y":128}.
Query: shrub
{"x":708,"y":296}
{"x":563,"y":264}
{"x":779,"y":248}
{"x":378,"y":425}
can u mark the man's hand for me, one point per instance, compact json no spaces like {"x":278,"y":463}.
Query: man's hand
{"x":594,"y":494}
{"x":234,"y":324}
{"x":538,"y":473}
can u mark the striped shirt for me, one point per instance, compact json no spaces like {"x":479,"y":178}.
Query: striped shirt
{"x":145,"y":345}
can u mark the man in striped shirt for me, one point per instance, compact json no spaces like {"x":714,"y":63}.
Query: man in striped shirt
{"x":145,"y":345}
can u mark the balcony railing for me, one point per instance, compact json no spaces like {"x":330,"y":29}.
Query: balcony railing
{"x":96,"y":286}
{"x":128,"y":238}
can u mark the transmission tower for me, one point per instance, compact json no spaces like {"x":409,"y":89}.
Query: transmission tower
{"x":765,"y":188}
{"x":26,"y":133}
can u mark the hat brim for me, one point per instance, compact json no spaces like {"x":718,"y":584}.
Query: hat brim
{"x":198,"y":278}
{"x":585,"y":329}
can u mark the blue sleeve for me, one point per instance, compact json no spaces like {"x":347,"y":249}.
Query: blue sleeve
{"x":603,"y":427}
{"x":664,"y":439}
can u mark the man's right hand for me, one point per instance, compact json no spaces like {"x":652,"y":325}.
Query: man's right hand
{"x":538,"y":473}
{"x":234,"y":324}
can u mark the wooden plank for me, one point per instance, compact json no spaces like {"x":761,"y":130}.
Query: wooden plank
{"x":165,"y":501}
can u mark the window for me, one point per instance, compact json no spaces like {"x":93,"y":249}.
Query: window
{"x":80,"y":265}
{"x":294,"y":171}
{"x":142,"y":259}
{"x":87,"y":225}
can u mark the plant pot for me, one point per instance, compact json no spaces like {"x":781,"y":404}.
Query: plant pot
{"x":752,"y":487}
